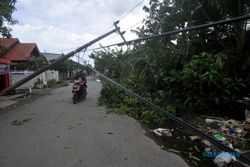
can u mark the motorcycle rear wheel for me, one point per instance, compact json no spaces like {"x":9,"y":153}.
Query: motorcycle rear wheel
{"x":75,"y":99}
{"x":84,"y":93}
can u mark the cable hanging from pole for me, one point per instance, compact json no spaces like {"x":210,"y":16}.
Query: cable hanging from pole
{"x":202,"y":26}
{"x":124,"y":15}
{"x":169,"y":115}
{"x":59,"y":61}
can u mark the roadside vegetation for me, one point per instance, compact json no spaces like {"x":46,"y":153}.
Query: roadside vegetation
{"x":55,"y":84}
{"x":199,"y":72}
{"x":190,"y":74}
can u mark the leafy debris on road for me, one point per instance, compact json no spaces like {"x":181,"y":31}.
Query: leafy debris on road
{"x":70,"y":127}
{"x":20,"y":122}
{"x":65,"y":147}
{"x":126,"y":157}
{"x":174,"y":151}
{"x":191,"y":156}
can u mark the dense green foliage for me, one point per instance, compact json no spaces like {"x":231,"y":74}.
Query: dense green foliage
{"x":204,"y":71}
{"x":7,"y":7}
{"x":69,"y":66}
{"x":34,"y":64}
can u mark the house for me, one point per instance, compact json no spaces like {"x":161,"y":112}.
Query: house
{"x":51,"y":56}
{"x":5,"y":63}
{"x":51,"y":74}
{"x":24,"y":59}
{"x":66,"y":69}
{"x":4,"y":73}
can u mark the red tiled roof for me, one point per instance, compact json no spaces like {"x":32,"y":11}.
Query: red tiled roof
{"x":21,"y":52}
{"x":8,"y":42}
{"x":4,"y":60}
{"x":13,"y":50}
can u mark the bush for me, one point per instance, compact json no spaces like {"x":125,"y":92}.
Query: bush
{"x":202,"y":86}
{"x":51,"y":83}
{"x":120,"y":102}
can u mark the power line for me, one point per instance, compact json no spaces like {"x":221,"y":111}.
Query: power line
{"x":131,"y":10}
{"x":169,"y":115}
{"x":126,"y":14}
{"x":65,"y":50}
{"x":109,"y":28}
{"x":202,"y":26}
{"x":133,"y":25}
{"x":116,"y":35}
{"x":106,"y":39}
{"x":59,"y":61}
{"x":123,"y":16}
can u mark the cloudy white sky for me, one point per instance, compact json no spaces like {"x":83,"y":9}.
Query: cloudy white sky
{"x":58,"y":25}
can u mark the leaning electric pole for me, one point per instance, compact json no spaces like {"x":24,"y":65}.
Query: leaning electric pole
{"x":59,"y":61}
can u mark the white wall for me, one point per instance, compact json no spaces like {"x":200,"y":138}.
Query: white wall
{"x":52,"y":75}
{"x":19,"y":75}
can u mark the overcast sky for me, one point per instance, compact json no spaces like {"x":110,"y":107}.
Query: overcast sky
{"x":58,"y":25}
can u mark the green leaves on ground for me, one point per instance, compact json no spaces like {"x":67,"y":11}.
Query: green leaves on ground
{"x":20,"y":122}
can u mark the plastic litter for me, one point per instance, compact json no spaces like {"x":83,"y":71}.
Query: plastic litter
{"x":239,"y":130}
{"x":167,"y":133}
{"x":230,"y":132}
{"x":230,"y":145}
{"x":247,"y":115}
{"x":223,"y":159}
{"x":247,"y":126}
{"x":227,"y":130}
{"x":207,"y":149}
{"x":206,"y":142}
{"x":209,"y":120}
{"x":219,"y":137}
{"x":232,"y":122}
{"x":161,"y":132}
{"x":193,"y":137}
{"x":212,"y":117}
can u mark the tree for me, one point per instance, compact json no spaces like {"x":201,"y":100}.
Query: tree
{"x":35,"y":63}
{"x":203,"y":71}
{"x":108,"y":62}
{"x":7,"y":7}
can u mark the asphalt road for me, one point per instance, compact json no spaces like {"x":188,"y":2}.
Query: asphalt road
{"x":58,"y":133}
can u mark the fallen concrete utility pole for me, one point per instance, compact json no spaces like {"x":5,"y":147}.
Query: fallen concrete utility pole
{"x":59,"y":61}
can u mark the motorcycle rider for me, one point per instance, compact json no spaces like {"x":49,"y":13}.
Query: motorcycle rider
{"x":82,"y":77}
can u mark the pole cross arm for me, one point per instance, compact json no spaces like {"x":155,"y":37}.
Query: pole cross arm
{"x":119,"y":31}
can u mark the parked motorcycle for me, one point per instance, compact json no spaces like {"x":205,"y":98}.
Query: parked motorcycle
{"x":79,"y":91}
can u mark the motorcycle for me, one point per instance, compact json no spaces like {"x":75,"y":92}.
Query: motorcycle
{"x":79,"y":91}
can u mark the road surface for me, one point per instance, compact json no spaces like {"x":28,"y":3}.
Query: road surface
{"x":57,"y":133}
